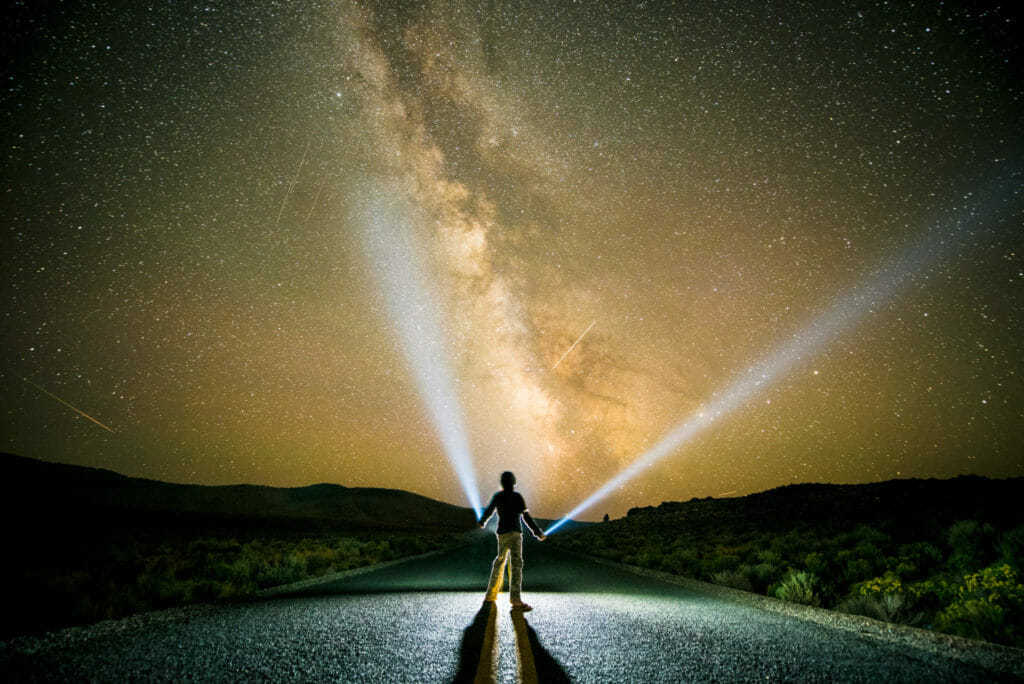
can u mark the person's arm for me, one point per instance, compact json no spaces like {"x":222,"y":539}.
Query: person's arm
{"x":534,"y":527}
{"x":488,"y":512}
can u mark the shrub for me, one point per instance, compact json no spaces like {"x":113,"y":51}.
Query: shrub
{"x":1011,"y":549}
{"x":989,"y":605}
{"x":816,"y":563}
{"x":799,"y":587}
{"x":868,"y":606}
{"x":889,"y":600}
{"x":737,"y":579}
{"x":888,"y":583}
{"x":682,"y":561}
{"x":865,"y":534}
{"x":932,"y":595}
{"x":857,"y":570}
{"x":790,"y":545}
{"x":238,"y":571}
{"x":205,"y":590}
{"x":902,"y":569}
{"x":764,"y":575}
{"x":871,"y":555}
{"x":899,"y":607}
{"x":212,"y":545}
{"x":971,"y":544}
{"x":924,"y":557}
{"x":611,"y":554}
{"x":319,"y":562}
{"x":720,"y":562}
{"x":650,"y":559}
{"x":160,"y":591}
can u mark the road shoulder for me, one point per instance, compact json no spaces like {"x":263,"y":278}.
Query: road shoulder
{"x":1004,"y":660}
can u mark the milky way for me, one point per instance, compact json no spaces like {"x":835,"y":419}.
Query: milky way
{"x":189,"y":261}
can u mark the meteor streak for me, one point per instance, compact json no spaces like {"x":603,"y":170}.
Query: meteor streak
{"x":78,"y":411}
{"x":882,"y":285}
{"x":316,"y":197}
{"x":574,"y":345}
{"x":291,"y":185}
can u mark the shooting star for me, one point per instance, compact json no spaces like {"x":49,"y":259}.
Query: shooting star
{"x":79,"y":412}
{"x":574,"y":345}
{"x":317,"y":197}
{"x":288,"y":193}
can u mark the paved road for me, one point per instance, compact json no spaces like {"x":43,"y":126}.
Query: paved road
{"x":424,"y":621}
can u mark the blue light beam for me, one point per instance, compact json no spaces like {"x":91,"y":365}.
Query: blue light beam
{"x":389,"y":231}
{"x":880,"y":286}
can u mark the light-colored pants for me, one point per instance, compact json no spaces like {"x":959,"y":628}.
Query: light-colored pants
{"x":510,"y":546}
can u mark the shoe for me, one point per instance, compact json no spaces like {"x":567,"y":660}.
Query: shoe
{"x":522,"y":607}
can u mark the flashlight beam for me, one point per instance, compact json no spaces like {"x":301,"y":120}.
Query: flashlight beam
{"x":573,"y":345}
{"x":882,"y":285}
{"x":808,"y":341}
{"x":78,"y":411}
{"x":389,"y":223}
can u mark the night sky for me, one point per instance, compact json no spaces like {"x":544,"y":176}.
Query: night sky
{"x":288,"y":242}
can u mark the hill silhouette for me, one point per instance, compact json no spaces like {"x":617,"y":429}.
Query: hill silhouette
{"x":905,"y":509}
{"x":49,"y":497}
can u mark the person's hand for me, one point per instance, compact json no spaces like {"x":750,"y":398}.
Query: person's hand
{"x":542,"y":536}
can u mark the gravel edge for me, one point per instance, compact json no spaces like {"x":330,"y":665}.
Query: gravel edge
{"x":1005,"y":660}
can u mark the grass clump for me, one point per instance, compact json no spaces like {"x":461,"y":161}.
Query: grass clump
{"x":799,"y":587}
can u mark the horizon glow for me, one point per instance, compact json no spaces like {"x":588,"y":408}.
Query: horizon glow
{"x":850,"y":309}
{"x":388,"y":227}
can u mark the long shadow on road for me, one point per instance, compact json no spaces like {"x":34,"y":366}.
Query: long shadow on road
{"x":466,"y":569}
{"x":478,"y":652}
{"x":478,"y":655}
{"x":535,"y":663}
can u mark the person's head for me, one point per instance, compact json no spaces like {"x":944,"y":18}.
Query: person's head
{"x":508,"y":480}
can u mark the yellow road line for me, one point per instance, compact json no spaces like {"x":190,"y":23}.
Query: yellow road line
{"x":487,"y":669}
{"x":524,"y":652}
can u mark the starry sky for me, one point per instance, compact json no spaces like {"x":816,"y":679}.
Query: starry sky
{"x":284,"y":242}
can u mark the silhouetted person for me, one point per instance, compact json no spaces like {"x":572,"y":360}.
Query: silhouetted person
{"x":511,"y":508}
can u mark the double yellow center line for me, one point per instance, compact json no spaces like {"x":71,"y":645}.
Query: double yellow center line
{"x":487,"y":669}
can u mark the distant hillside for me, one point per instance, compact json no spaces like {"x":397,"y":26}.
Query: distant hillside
{"x":905,"y":509}
{"x":37,"y":494}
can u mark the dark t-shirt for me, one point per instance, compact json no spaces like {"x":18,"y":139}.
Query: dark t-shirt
{"x":510,"y":506}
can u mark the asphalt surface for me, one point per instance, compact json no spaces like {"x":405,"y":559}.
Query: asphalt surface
{"x":424,"y":620}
